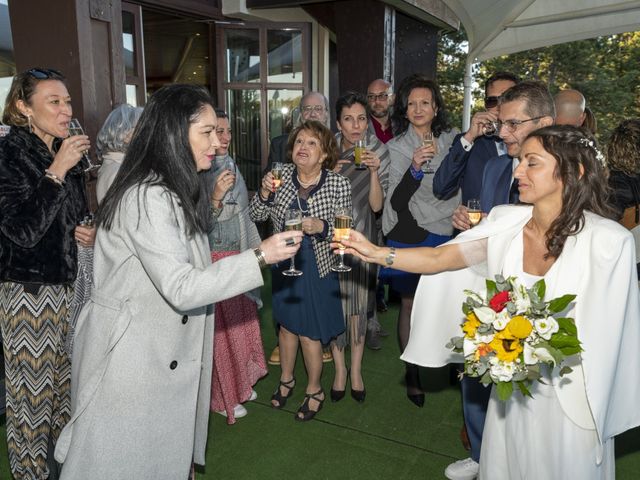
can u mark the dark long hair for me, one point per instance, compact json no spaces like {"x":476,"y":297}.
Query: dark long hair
{"x":399,"y":116}
{"x":572,"y":148}
{"x":160,"y":154}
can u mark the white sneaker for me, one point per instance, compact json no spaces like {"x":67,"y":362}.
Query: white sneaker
{"x":466,"y":469}
{"x":254,"y":396}
{"x":238,"y":412}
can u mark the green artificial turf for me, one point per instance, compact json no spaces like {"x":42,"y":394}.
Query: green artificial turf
{"x":386,"y":437}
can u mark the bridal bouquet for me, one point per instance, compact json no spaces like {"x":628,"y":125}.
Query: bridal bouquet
{"x":511,"y":332}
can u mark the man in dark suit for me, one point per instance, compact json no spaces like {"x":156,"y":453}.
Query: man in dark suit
{"x":523,"y":108}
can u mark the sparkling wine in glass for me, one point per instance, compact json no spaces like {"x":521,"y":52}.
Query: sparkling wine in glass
{"x":342,"y":227}
{"x":474,"y":211}
{"x":76,"y":129}
{"x":230,"y":165}
{"x":276,"y":171}
{"x":428,"y":141}
{"x":292,"y":221}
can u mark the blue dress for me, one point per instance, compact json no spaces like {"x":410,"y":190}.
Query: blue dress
{"x":307,"y":305}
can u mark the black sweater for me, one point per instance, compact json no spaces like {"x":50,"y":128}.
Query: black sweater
{"x":37,"y":216}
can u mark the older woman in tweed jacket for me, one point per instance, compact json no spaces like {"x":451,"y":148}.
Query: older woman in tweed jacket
{"x":308,"y":307}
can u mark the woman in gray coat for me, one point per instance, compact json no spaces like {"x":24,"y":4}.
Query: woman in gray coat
{"x":141,"y":369}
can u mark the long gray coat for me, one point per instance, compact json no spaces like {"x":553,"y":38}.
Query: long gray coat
{"x":141,"y":380}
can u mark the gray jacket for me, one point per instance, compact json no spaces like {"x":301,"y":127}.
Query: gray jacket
{"x":141,"y":370}
{"x":431,"y":214}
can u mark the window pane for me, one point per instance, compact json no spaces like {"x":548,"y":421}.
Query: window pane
{"x":129,"y":42}
{"x":242,"y":55}
{"x":243,"y":107}
{"x":285,"y":56}
{"x":7,"y":60}
{"x":283,"y":104}
{"x":132,"y":95}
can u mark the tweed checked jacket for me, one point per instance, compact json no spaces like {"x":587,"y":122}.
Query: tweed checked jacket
{"x":333,"y":191}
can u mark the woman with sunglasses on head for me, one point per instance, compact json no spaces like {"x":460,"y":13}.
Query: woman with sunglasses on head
{"x":42,"y":201}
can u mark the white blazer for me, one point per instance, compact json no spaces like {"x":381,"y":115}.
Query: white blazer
{"x":598,"y":265}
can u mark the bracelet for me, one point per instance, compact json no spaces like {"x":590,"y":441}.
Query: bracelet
{"x":391,"y":257}
{"x":53,"y":177}
{"x":262,"y":258}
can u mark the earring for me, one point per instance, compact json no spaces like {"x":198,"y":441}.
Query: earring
{"x":30,"y":126}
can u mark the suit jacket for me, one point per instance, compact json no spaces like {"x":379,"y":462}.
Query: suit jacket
{"x":142,"y":362}
{"x":496,"y":182}
{"x":598,"y":265}
{"x":278,"y":151}
{"x":462,"y":169}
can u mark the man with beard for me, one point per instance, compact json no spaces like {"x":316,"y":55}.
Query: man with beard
{"x":380,"y":100}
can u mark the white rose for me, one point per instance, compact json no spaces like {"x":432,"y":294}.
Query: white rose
{"x":502,"y":372}
{"x":501,"y":321}
{"x":485,"y":315}
{"x":546,"y":327}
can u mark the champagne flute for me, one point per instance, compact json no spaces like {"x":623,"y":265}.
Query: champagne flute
{"x":76,"y":129}
{"x":342,"y":227}
{"x":292,"y":221}
{"x":230,"y":165}
{"x":474,"y":211}
{"x":276,"y":171}
{"x":359,"y":149}
{"x":427,"y":141}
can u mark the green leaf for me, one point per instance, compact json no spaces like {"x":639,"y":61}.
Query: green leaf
{"x":540,"y":288}
{"x":505,"y":389}
{"x":559,"y":304}
{"x":524,"y":389}
{"x":568,"y":325}
{"x":570,"y":350}
{"x":466,"y":309}
{"x":492,"y":289}
{"x":559,"y":340}
{"x":564,"y":370}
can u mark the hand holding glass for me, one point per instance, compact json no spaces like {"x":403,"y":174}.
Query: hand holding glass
{"x":474,"y":211}
{"x":292,"y":221}
{"x":342,"y":227}
{"x":230,"y":165}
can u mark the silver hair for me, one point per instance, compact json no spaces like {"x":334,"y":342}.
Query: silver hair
{"x":115,"y":134}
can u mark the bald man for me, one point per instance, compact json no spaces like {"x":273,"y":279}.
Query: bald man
{"x":379,"y":101}
{"x":570,"y":105}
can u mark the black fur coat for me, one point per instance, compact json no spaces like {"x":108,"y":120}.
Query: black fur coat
{"x":37,"y":216}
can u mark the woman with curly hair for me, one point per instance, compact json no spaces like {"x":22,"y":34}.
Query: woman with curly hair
{"x":565,"y":236}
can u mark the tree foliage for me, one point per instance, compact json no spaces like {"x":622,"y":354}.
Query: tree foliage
{"x":605,"y":69}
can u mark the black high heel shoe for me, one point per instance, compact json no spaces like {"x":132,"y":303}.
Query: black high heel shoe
{"x":337,"y":395}
{"x":307,"y":413}
{"x":412,"y":380}
{"x":359,"y":395}
{"x":279,"y":397}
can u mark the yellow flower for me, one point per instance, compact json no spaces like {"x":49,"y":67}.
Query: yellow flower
{"x":506,"y":346}
{"x":470,"y":326}
{"x":520,"y":327}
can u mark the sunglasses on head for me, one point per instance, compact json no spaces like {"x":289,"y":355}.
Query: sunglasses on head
{"x":44,"y":73}
{"x":491,"y":102}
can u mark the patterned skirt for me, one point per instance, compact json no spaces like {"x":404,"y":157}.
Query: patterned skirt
{"x":38,"y":373}
{"x":238,"y":356}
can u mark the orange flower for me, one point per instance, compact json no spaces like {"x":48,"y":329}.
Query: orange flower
{"x":470,"y":326}
{"x":482,"y":350}
{"x":520,"y":327}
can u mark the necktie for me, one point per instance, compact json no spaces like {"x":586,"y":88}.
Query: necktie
{"x":514,"y":194}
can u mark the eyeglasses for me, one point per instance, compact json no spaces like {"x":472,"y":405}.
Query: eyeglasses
{"x":372,"y":97}
{"x":512,"y":125}
{"x":491,"y":102}
{"x":44,"y":73}
{"x":313,"y":108}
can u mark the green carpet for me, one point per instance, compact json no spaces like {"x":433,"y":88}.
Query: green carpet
{"x":386,"y":437}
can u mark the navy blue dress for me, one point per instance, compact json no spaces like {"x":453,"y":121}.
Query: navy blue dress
{"x":307,"y":305}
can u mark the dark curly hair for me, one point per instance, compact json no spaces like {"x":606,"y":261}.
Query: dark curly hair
{"x":584,"y":181}
{"x":399,"y":116}
{"x":328,"y":142}
{"x":623,"y":152}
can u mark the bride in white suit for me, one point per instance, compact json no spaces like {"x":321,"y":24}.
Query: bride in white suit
{"x":141,"y":369}
{"x":566,"y":430}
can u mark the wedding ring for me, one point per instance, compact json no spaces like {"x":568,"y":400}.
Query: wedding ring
{"x":290,"y":242}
